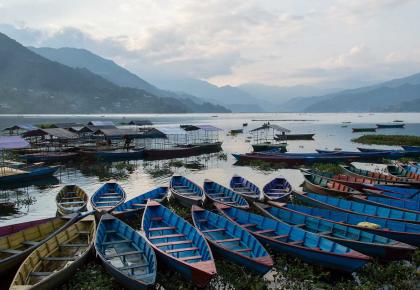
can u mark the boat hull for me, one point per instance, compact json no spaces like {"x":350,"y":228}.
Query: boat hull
{"x":36,"y":173}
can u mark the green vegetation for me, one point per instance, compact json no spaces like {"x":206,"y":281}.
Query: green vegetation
{"x":327,"y":167}
{"x":396,"y":140}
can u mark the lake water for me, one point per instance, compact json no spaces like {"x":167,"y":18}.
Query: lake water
{"x":140,"y":176}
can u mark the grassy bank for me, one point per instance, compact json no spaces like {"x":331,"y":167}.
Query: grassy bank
{"x":396,"y":140}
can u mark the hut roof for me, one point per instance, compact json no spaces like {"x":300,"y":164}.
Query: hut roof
{"x":141,"y":123}
{"x":13,"y":142}
{"x":27,"y":127}
{"x":55,"y":132}
{"x":271,"y":126}
{"x":101,"y":123}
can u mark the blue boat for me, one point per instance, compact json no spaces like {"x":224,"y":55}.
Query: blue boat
{"x":125,"y":254}
{"x":277,"y":189}
{"x":108,"y":197}
{"x":412,"y":167}
{"x":404,"y":232}
{"x":294,"y":241}
{"x":138,"y":203}
{"x":392,"y":153}
{"x":231,"y":241}
{"x":356,"y":239}
{"x":399,"y":192}
{"x":411,"y":148}
{"x":389,"y":126}
{"x":399,"y":204}
{"x":185,"y":191}
{"x":245,"y":188}
{"x":218,"y":193}
{"x":178,"y":244}
{"x":356,"y":207}
{"x":400,"y":172}
{"x":367,"y":155}
{"x":11,"y":175}
{"x":130,"y":154}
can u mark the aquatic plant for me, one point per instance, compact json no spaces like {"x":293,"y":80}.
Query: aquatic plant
{"x":327,"y":167}
{"x":395,"y":140}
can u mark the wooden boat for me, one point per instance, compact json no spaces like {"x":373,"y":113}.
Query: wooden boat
{"x":56,"y":260}
{"x":185,"y":191}
{"x":356,"y":130}
{"x":48,"y":157}
{"x":183,"y":151}
{"x":245,"y":124}
{"x":269,"y":146}
{"x":287,"y":137}
{"x":14,"y":228}
{"x":245,"y":188}
{"x":108,"y":197}
{"x":400,"y":231}
{"x":130,"y":154}
{"x":354,"y":171}
{"x":393,"y":154}
{"x":231,"y":241}
{"x":125,"y":254}
{"x":70,"y":199}
{"x":411,"y":148}
{"x":178,"y":244}
{"x":411,"y":167}
{"x":399,"y":204}
{"x":364,"y":242}
{"x":322,"y":185}
{"x":216,"y":192}
{"x":294,"y":241}
{"x":277,"y":189}
{"x":18,"y":241}
{"x":365,"y":155}
{"x":138,"y":203}
{"x":356,"y":207}
{"x":294,"y":159}
{"x":389,"y":126}
{"x":400,"y":172}
{"x":12,"y":175}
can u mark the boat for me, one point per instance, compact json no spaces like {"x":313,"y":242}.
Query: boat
{"x":58,"y":258}
{"x":125,"y":254}
{"x":294,"y":159}
{"x":138,"y":203}
{"x":236,"y":131}
{"x":322,"y":185}
{"x":365,"y":155}
{"x":14,"y":228}
{"x":364,"y":242}
{"x":277,"y":189}
{"x":186,"y":191}
{"x":411,"y":148}
{"x":130,"y":154}
{"x":245,"y":188}
{"x":108,"y":197}
{"x":356,"y":207}
{"x":48,"y":157}
{"x":269,"y":146}
{"x":18,"y":241}
{"x":368,"y":185}
{"x":182,"y":151}
{"x":378,"y":176}
{"x":178,"y":244}
{"x":231,"y":241}
{"x":71,"y":199}
{"x":401,"y":231}
{"x":411,"y":167}
{"x":357,"y":130}
{"x":389,"y":126}
{"x":288,"y":137}
{"x":399,"y":204}
{"x":11,"y":175}
{"x":216,"y":192}
{"x":294,"y":241}
{"x":244,"y":124}
{"x":400,"y":172}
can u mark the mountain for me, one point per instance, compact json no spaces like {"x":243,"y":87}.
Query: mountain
{"x":278,"y":95}
{"x":391,"y":95}
{"x":108,"y":69}
{"x":30,"y":83}
{"x":227,"y":96}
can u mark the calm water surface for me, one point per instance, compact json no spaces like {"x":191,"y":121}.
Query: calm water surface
{"x":139,"y":177}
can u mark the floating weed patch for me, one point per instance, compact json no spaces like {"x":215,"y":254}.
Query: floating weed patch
{"x":396,"y":140}
{"x":327,"y":167}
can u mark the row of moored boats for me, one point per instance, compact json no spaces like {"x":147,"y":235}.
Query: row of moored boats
{"x":340,"y":222}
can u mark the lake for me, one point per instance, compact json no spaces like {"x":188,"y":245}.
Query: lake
{"x":38,"y":201}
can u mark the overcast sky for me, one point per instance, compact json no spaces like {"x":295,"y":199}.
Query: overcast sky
{"x":273,"y":42}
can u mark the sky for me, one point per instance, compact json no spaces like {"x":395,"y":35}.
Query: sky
{"x":231,"y":42}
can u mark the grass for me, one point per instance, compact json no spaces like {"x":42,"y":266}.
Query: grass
{"x":327,"y":167}
{"x":396,"y":140}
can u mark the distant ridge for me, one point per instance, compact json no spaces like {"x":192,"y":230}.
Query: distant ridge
{"x":30,"y":83}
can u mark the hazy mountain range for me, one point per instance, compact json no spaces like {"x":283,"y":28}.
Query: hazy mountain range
{"x":76,"y":80}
